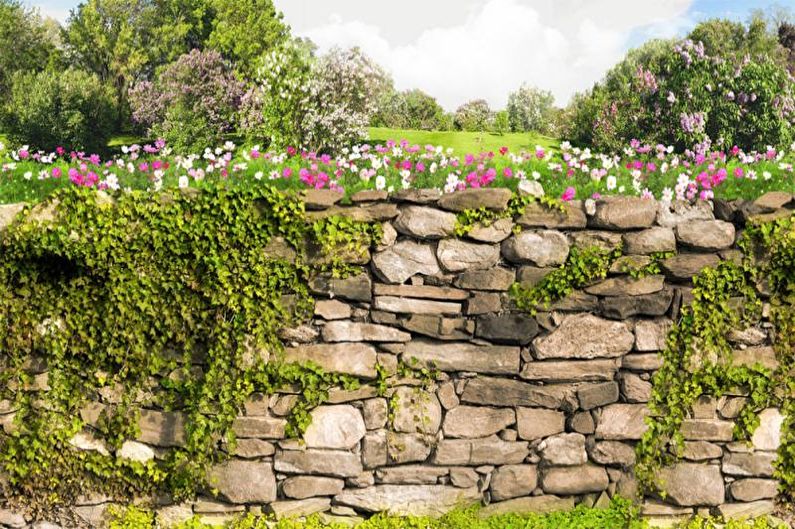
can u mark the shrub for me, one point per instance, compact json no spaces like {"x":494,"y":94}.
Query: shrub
{"x":50,"y":109}
{"x":529,"y":109}
{"x":410,"y":109}
{"x":191,"y":103}
{"x":473,"y":116}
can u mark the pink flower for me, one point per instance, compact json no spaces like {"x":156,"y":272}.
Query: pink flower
{"x":739,"y":172}
{"x":291,"y":151}
{"x":568,"y":194}
{"x":507,"y":172}
{"x":503,"y":150}
{"x":254,"y":154}
{"x":540,"y":153}
{"x":287,"y":172}
{"x":420,"y":167}
{"x":596,"y":196}
{"x":143,"y":167}
{"x":60,"y":150}
{"x":23,"y":154}
{"x":56,"y":172}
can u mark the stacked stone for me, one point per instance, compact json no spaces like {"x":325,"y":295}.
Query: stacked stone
{"x":527,"y":413}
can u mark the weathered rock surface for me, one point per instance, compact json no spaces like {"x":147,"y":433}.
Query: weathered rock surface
{"x":244,"y":481}
{"x":490,"y":198}
{"x":693,"y":484}
{"x":537,"y":423}
{"x":753,"y":489}
{"x":620,"y":422}
{"x":456,"y":255}
{"x":540,"y":216}
{"x":416,"y":411}
{"x":511,"y":328}
{"x":706,"y":234}
{"x":340,"y":427}
{"x":420,"y":500}
{"x":565,"y":449}
{"x":356,"y":359}
{"x":571,"y":371}
{"x":511,"y":481}
{"x":425,"y":223}
{"x":585,"y":336}
{"x":649,"y":241}
{"x":301,"y":487}
{"x":476,"y":421}
{"x":403,"y":260}
{"x":529,"y":505}
{"x":318,"y":462}
{"x":541,"y":248}
{"x":462,"y":356}
{"x":485,"y":451}
{"x":618,"y":213}
{"x":507,"y":392}
{"x":350,"y":331}
{"x":574,"y":480}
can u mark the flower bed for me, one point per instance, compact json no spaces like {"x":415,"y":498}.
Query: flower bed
{"x":570,"y":173}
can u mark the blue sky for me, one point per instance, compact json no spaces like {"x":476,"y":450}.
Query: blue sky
{"x":457,"y":50}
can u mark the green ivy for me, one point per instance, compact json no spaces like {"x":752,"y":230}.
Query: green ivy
{"x":167,"y":301}
{"x":698,"y":355}
{"x":637,"y":270}
{"x":468,"y":219}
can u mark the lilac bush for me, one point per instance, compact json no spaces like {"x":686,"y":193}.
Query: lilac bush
{"x":193,"y":102}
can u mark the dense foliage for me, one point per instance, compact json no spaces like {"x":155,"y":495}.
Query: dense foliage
{"x":168,"y":303}
{"x":473,"y":116}
{"x":192,"y":103}
{"x":49,"y":109}
{"x":530,"y":109}
{"x":411,"y":109}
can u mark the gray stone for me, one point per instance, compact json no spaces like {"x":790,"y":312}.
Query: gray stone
{"x":416,"y":410}
{"x":596,"y":395}
{"x":378,"y":211}
{"x":753,"y":489}
{"x":253,"y":448}
{"x":463,"y":477}
{"x":340,"y":427}
{"x":706,"y":234}
{"x":511,"y":328}
{"x":375,"y":413}
{"x":685,"y":266}
{"x":767,"y":435}
{"x":8,"y":517}
{"x":541,"y":248}
{"x":612,"y":453}
{"x":565,"y":449}
{"x":707,"y":430}
{"x":603,"y":240}
{"x":244,"y":481}
{"x":680,"y":211}
{"x":512,"y":481}
{"x":417,"y":500}
{"x":403,"y":260}
{"x":318,"y":462}
{"x":410,"y":475}
{"x":764,"y":356}
{"x":508,"y":392}
{"x":476,"y":421}
{"x":693,"y":484}
{"x":757,"y":464}
{"x":649,"y":241}
{"x":447,"y":396}
{"x":407,"y":448}
{"x":88,"y":442}
{"x":374,"y":449}
{"x":620,"y":422}
{"x":749,"y":336}
{"x":571,"y":371}
{"x":298,"y":334}
{"x":462,"y":356}
{"x":369,"y":195}
{"x":485,"y":451}
{"x":582,"y":422}
{"x":354,"y":288}
{"x":619,"y":213}
{"x":624,"y":307}
{"x":356,"y":359}
{"x":351,"y":331}
{"x":650,"y":335}
{"x":483,"y":302}
{"x":585,"y":336}
{"x":315,"y":199}
{"x":417,"y":196}
{"x":634,"y":388}
{"x":574,"y":480}
{"x":298,"y":508}
{"x":161,"y":428}
{"x":415,"y":306}
{"x":499,"y":279}
{"x":425,"y":223}
{"x":496,"y":231}
{"x":420,"y":292}
{"x":701,"y":451}
{"x":134,"y":451}
{"x":438,"y":327}
{"x":642,"y":362}
{"x":746,"y":511}
{"x":9,"y":212}
{"x":490,"y":198}
{"x":331,"y":309}
{"x":172,"y":515}
{"x":528,"y":505}
{"x":536,"y":423}
{"x":259,"y":427}
{"x":456,"y":255}
{"x":773,"y":200}
{"x":627,"y":286}
{"x":537,"y":215}
{"x":302,"y":487}
{"x":530,"y":276}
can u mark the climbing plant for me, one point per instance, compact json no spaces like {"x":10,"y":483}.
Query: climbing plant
{"x":167,"y":301}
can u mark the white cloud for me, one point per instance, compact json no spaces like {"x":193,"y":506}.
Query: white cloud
{"x":560,"y":45}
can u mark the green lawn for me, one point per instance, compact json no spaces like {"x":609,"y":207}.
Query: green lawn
{"x":466,"y":142}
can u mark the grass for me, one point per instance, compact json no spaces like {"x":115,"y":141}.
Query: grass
{"x":466,"y":142}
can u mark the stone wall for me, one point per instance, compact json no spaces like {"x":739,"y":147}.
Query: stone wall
{"x":528,"y":413}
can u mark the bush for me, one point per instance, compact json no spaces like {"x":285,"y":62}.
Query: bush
{"x":410,"y":109}
{"x":529,"y":109}
{"x":192,"y":103}
{"x":473,"y":116}
{"x":48,"y":109}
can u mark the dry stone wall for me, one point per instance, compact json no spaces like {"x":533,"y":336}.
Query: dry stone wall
{"x":527,"y":412}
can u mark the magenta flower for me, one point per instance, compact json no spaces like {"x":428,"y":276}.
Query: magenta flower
{"x":56,"y":172}
{"x":503,"y":150}
{"x":739,"y":172}
{"x":507,"y":172}
{"x":569,"y":194}
{"x":287,"y":172}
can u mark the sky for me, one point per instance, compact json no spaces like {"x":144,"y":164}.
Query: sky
{"x":458,"y":50}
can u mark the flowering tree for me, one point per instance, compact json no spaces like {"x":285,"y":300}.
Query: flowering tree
{"x":192,"y":103}
{"x":529,"y":109}
{"x":473,"y":116}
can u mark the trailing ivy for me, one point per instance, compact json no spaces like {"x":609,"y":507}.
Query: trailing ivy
{"x":582,"y":267}
{"x":639,"y":269}
{"x":168,"y":302}
{"x":468,"y":219}
{"x":698,"y":356}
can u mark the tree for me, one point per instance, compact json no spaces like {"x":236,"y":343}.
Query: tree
{"x":245,"y":30}
{"x":529,"y":109}
{"x":27,"y":42}
{"x":473,"y":116}
{"x":410,"y":109}
{"x":786,"y":37}
{"x":502,"y":123}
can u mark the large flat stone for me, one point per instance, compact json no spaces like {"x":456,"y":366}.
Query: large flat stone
{"x":244,"y":481}
{"x":415,"y":306}
{"x":301,"y":487}
{"x":490,"y":198}
{"x":756,"y":464}
{"x":298,"y":508}
{"x":512,"y":481}
{"x":571,"y":371}
{"x":574,"y":480}
{"x":421,"y":292}
{"x":485,"y":451}
{"x":510,"y":328}
{"x":499,"y":279}
{"x":340,"y":427}
{"x":545,"y":248}
{"x":707,"y":430}
{"x":706,"y":234}
{"x":161,"y":428}
{"x":620,"y":422}
{"x":585,"y":336}
{"x":620,"y":213}
{"x":424,"y":222}
{"x":351,"y":331}
{"x":259,"y":427}
{"x":354,"y":288}
{"x":410,"y":475}
{"x":536,"y":215}
{"x":528,"y":505}
{"x":685,"y":266}
{"x":650,"y":335}
{"x":476,"y":421}
{"x":508,"y":392}
{"x":767,"y":435}
{"x":693,"y":485}
{"x":416,"y":411}
{"x":538,"y":423}
{"x":404,"y":259}
{"x":417,"y":500}
{"x":753,"y":489}
{"x":463,"y":356}
{"x":356,"y":359}
{"x":649,"y":241}
{"x":627,"y":286}
{"x":318,"y":462}
{"x":565,"y":449}
{"x":624,"y":307}
{"x":456,"y":255}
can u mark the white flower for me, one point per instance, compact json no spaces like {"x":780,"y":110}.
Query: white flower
{"x":274,"y":175}
{"x":112,"y":182}
{"x":229,"y":146}
{"x":667,"y":195}
{"x":183,"y":182}
{"x":766,"y":175}
{"x":621,"y":189}
{"x":28,"y":175}
{"x":258,"y":175}
{"x":536,"y":175}
{"x":380,"y":182}
{"x":125,"y":149}
{"x":611,"y":182}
